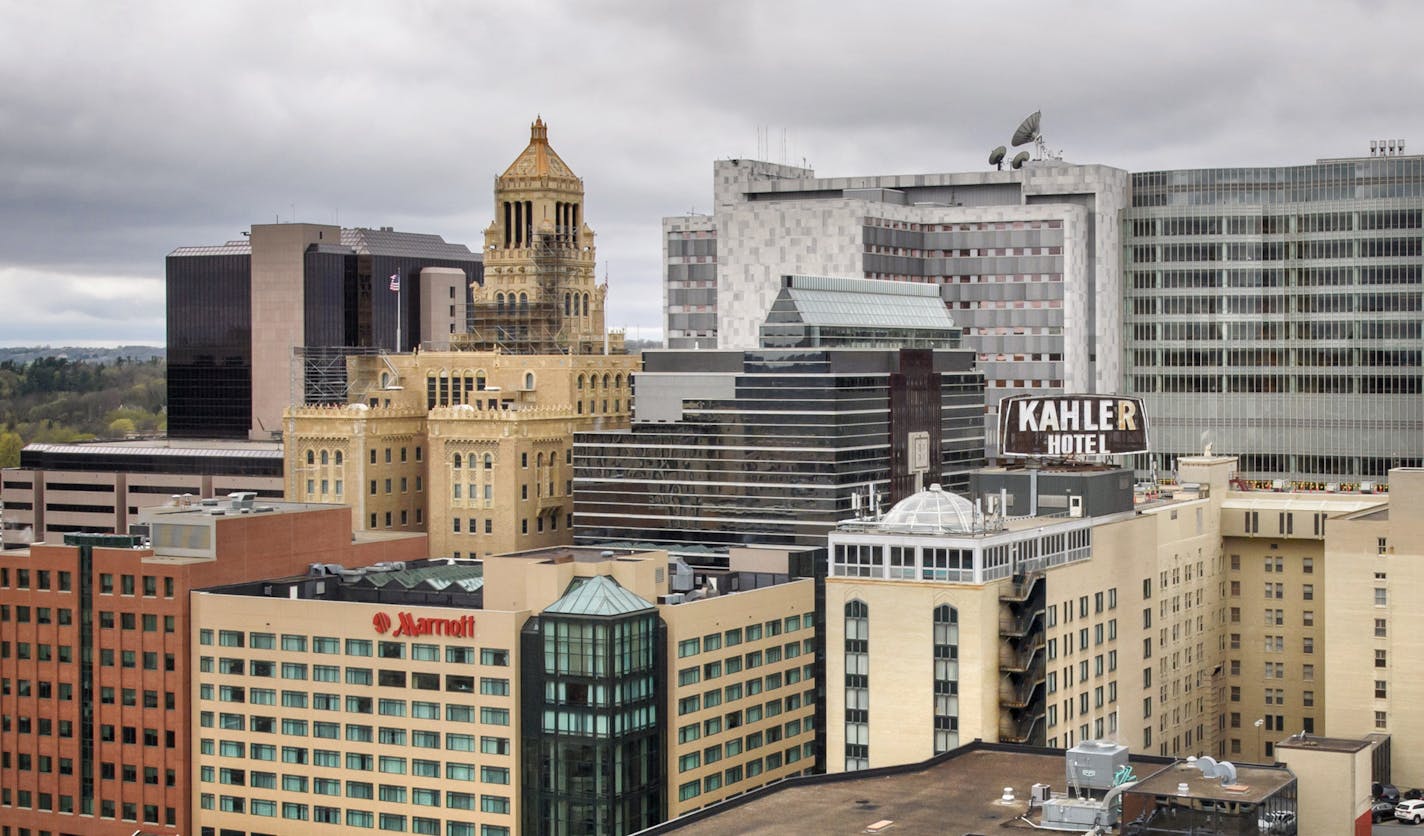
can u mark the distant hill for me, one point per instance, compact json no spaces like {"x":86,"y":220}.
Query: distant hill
{"x":83,"y":354}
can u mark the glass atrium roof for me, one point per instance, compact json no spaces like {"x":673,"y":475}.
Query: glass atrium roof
{"x":598,"y":595}
{"x":842,"y":302}
{"x":932,"y":511}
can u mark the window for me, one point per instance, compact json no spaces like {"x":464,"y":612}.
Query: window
{"x":1381,"y":596}
{"x":1381,"y":658}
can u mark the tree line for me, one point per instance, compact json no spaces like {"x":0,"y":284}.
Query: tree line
{"x":57,"y":400}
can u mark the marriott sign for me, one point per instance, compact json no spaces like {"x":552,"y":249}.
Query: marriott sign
{"x":1071,"y":425}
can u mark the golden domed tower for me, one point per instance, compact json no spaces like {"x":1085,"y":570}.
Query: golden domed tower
{"x":540,"y":294}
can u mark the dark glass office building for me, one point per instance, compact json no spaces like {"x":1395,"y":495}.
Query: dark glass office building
{"x":591,"y":732}
{"x":775,"y":446}
{"x":777,"y":454}
{"x":340,"y":287}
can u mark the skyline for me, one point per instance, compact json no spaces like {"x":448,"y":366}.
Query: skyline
{"x":201,"y":121}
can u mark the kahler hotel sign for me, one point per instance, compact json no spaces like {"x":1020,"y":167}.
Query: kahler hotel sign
{"x":1071,"y":425}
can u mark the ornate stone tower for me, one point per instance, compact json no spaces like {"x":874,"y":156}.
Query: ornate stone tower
{"x":540,"y":294}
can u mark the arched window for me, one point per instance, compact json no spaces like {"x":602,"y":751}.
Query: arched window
{"x":523,"y":303}
{"x":499,"y":302}
{"x":857,"y":685}
{"x":325,"y":457}
{"x":311,"y":457}
{"x":618,"y":381}
{"x":529,"y":380}
{"x":585,"y":304}
{"x":338,"y":458}
{"x":580,"y":381}
{"x":566,"y":304}
{"x":607,"y":378}
{"x":480,"y":380}
{"x":539,"y":462}
{"x":385,"y":380}
{"x":576,"y":304}
{"x":489,"y":462}
{"x":457,"y":461}
{"x":946,"y":678}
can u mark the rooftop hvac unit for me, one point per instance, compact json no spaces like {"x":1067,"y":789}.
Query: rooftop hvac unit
{"x":1093,"y":764}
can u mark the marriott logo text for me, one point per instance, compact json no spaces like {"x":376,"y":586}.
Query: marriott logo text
{"x":408,"y":625}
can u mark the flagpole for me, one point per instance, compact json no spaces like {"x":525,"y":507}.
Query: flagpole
{"x":399,"y":291}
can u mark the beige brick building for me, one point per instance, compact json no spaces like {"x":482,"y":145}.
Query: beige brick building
{"x":473,"y":445}
{"x":1172,"y":627}
{"x":558,"y":690}
{"x":1374,"y":625}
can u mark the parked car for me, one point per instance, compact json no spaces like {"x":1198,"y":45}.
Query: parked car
{"x":1381,"y":810}
{"x":1414,"y":793}
{"x":1411,"y":811}
{"x":1277,"y":821}
{"x":1389,"y":792}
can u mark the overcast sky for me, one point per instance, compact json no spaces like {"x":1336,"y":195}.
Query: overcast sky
{"x":131,"y":128}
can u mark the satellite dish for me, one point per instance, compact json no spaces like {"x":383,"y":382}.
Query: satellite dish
{"x":1019,"y":159}
{"x":1207,"y":765}
{"x":996,"y":157}
{"x":1027,"y":130}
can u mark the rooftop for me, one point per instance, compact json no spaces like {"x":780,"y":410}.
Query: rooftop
{"x":581,"y":554}
{"x":1253,"y":784}
{"x":164,"y":447}
{"x":447,"y":582}
{"x":383,"y":241}
{"x":1327,"y":744}
{"x":956,"y":793}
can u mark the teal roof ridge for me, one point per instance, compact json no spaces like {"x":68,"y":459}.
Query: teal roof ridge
{"x":598,"y":595}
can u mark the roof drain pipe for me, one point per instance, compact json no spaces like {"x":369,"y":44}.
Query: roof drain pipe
{"x":1033,"y":491}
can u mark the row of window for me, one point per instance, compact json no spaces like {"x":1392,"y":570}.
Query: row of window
{"x":355,"y":732}
{"x":753,"y":714}
{"x":745,"y":771}
{"x":735,"y":664}
{"x":746,"y":688}
{"x":298,"y":643}
{"x":42,"y":615}
{"x":731,"y":638}
{"x":44,"y":580}
{"x":386,"y":707}
{"x":126,"y":585}
{"x":44,"y":801}
{"x":330,"y":758}
{"x":43,"y":726}
{"x":299,"y":671}
{"x":365,"y":819}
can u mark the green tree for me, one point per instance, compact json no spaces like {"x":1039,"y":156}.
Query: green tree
{"x":10,"y":445}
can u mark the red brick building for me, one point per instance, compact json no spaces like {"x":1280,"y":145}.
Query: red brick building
{"x":94,"y":646}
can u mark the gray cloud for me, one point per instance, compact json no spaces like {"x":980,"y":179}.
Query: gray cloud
{"x":129,"y":129}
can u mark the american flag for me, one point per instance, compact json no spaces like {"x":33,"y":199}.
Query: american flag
{"x":395,"y":282}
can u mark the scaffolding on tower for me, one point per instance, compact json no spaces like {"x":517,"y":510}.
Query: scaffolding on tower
{"x":536,"y":320}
